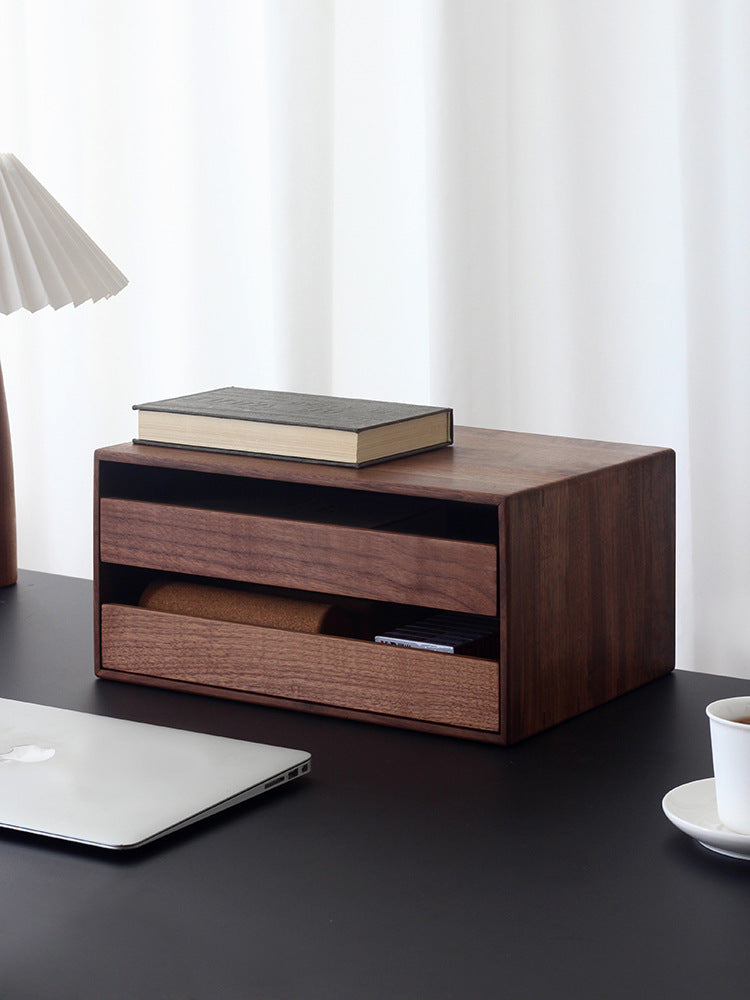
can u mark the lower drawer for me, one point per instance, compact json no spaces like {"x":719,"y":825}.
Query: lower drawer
{"x":315,"y":669}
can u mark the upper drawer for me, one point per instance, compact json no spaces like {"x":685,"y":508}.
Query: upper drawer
{"x":379,"y":565}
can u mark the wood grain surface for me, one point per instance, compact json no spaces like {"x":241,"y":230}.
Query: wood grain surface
{"x":379,"y":565}
{"x":590,"y":592}
{"x":482,"y":466}
{"x":388,"y":680}
{"x":577,"y":564}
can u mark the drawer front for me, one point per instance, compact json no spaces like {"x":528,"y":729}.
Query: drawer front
{"x":379,"y":565}
{"x":344,"y":673}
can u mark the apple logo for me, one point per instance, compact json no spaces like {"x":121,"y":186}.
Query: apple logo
{"x":29,"y":754}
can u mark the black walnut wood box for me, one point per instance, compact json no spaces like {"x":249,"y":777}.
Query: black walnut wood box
{"x":568,"y":544}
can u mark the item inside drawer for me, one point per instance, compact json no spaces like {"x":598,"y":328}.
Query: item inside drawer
{"x":256,"y":606}
{"x":446,"y":632}
{"x":266,"y":607}
{"x":313,"y":613}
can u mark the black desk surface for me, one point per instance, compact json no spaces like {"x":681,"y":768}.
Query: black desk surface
{"x":407,"y":865}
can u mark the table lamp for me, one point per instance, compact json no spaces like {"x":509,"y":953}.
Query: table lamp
{"x":45,"y":259}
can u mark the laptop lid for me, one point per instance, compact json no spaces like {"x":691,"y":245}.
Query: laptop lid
{"x":117,"y":784}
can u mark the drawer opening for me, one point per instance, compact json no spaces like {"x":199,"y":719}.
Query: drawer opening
{"x":368,"y":621}
{"x":391,"y":512}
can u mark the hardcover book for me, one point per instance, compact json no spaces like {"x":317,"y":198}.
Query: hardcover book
{"x":291,"y":425}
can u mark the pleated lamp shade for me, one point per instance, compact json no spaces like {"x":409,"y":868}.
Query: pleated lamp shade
{"x":45,"y":257}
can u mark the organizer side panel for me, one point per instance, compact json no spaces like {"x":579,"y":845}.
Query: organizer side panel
{"x":502,"y":603}
{"x":590,"y":591}
{"x":97,"y":572}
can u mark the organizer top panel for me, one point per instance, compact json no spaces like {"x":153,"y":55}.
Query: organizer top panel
{"x":482,"y":466}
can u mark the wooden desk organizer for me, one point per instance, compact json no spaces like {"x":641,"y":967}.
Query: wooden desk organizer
{"x":569,"y":544}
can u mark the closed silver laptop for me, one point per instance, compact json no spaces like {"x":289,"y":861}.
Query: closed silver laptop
{"x":119,"y":784}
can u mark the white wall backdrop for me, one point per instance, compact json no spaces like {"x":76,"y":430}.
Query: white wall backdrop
{"x":536,"y":212}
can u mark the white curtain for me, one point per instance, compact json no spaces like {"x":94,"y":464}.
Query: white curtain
{"x":535,"y":212}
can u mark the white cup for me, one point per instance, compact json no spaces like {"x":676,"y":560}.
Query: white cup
{"x":730,"y":747}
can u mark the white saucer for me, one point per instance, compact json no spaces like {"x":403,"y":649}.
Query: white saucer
{"x":692,"y":809}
